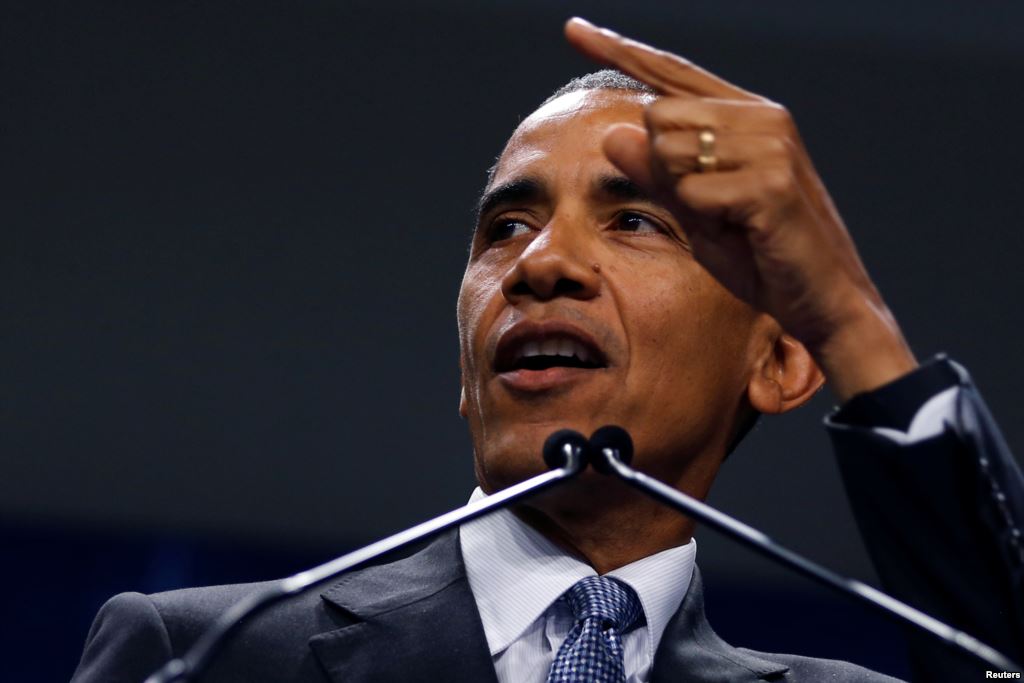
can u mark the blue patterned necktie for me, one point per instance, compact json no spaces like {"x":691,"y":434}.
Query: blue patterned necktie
{"x":592,"y":652}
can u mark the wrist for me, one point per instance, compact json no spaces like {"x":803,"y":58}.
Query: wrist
{"x":865,"y":352}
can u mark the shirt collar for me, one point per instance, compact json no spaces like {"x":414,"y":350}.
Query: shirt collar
{"x":516,"y":573}
{"x":661,"y":580}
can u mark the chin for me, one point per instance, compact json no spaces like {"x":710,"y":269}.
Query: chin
{"x":518,"y":455}
{"x":515,"y":453}
{"x":499,"y":468}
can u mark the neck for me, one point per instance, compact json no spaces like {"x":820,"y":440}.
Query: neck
{"x":625,"y":527}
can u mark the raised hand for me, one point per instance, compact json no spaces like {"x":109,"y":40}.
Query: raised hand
{"x":732,"y":167}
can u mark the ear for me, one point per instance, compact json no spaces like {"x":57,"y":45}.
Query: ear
{"x":785,"y":376}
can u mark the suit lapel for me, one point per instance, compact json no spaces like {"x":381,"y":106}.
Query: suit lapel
{"x":690,"y":650}
{"x":414,"y":620}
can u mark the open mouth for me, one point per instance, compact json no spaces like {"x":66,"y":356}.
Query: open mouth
{"x":534,"y":349}
{"x":554,"y":352}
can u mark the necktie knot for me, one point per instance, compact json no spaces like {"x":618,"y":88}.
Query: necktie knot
{"x":612,"y":602}
{"x":592,"y":651}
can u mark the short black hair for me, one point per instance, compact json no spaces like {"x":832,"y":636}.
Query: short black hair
{"x":605,"y":79}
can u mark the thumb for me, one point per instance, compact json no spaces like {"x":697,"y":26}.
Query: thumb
{"x":628,"y":147}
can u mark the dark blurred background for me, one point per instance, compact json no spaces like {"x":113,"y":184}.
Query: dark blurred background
{"x":233,"y":233}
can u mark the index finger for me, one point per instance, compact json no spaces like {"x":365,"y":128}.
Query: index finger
{"x":667,"y":73}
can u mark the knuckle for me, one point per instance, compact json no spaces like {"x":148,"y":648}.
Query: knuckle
{"x":665,"y":112}
{"x":660,"y":145}
{"x":655,"y":114}
{"x":778,"y":182}
{"x":692,"y":191}
{"x":666,"y":145}
{"x":781,"y":149}
{"x":777,"y":146}
{"x":778,"y":116}
{"x":760,"y":222}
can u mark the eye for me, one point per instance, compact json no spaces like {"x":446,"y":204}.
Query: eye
{"x":506,"y":228}
{"x":631,"y":221}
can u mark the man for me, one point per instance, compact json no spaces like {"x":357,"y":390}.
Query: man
{"x":663,"y":257}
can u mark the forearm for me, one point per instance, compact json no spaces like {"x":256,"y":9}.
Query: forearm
{"x":866,"y":351}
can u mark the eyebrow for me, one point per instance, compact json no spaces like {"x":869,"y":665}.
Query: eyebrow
{"x":529,"y":189}
{"x":620,"y":188}
{"x":518,"y":191}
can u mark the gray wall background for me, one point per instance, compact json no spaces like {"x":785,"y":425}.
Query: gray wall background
{"x":233,"y":233}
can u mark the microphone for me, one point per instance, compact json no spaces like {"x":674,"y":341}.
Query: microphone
{"x":611,"y":451}
{"x":565,"y":455}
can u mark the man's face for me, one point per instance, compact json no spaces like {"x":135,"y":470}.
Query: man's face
{"x":581,"y":306}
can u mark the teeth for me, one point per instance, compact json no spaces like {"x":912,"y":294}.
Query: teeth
{"x":555,"y":346}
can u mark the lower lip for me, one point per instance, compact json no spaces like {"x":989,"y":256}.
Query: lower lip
{"x":542,"y":380}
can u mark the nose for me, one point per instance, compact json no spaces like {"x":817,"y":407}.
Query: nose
{"x":554,"y":264}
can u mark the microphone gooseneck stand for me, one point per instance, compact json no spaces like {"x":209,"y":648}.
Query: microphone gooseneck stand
{"x":563,"y":454}
{"x":611,"y":448}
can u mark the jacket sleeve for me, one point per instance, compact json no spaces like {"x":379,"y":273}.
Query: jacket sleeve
{"x":942,"y":517}
{"x":127,"y":642}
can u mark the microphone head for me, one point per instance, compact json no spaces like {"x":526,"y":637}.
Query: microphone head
{"x":554,"y":447}
{"x":617,"y":439}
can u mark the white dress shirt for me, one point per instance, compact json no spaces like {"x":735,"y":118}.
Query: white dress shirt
{"x":517,"y":576}
{"x":931,"y":419}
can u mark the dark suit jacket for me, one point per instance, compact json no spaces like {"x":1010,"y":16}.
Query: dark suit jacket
{"x":941,"y":519}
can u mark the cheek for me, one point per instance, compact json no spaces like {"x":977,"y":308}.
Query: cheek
{"x":686,"y":326}
{"x":476,"y":299}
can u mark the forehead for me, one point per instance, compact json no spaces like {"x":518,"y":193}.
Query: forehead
{"x":565,"y":134}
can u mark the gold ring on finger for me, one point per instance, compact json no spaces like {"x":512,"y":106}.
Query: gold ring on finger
{"x":707,"y":162}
